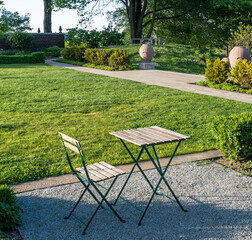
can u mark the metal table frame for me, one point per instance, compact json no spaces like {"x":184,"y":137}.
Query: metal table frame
{"x":157,"y":166}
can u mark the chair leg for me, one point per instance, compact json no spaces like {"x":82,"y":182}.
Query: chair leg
{"x":100,"y":203}
{"x":76,"y":204}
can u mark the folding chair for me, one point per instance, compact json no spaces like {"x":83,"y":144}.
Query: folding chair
{"x":90,"y":175}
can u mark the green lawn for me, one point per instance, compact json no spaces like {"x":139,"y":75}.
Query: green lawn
{"x":174,"y":57}
{"x":37,"y":101}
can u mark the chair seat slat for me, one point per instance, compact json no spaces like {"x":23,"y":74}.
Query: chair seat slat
{"x":100,"y":171}
{"x":112,"y":167}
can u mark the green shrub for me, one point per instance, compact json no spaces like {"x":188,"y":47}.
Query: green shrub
{"x":241,"y":73}
{"x":217,"y":72}
{"x":234,"y":135}
{"x":65,"y":53}
{"x":69,"y":53}
{"x":80,"y":52}
{"x":119,"y":59}
{"x":52,"y":51}
{"x":38,"y":57}
{"x":9,"y":210}
{"x":103,"y":56}
{"x":15,"y":59}
{"x":20,"y":41}
{"x":91,"y":56}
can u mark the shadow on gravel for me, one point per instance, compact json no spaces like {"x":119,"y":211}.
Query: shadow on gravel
{"x":208,"y":216}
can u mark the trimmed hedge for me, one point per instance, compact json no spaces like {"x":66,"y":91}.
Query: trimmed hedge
{"x":12,"y":59}
{"x":38,"y":57}
{"x":234,"y":135}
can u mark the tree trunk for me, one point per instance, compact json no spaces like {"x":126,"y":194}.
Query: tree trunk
{"x":47,"y":16}
{"x":135,"y":16}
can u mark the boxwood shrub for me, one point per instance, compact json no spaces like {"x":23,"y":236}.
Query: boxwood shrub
{"x":38,"y":57}
{"x":234,"y":135}
{"x":217,"y":72}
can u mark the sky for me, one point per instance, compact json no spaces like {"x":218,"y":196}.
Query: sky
{"x":66,"y":18}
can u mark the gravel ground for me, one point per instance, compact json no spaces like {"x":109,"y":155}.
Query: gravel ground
{"x":219,"y":204}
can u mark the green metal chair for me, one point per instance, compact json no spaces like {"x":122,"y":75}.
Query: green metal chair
{"x":90,"y":175}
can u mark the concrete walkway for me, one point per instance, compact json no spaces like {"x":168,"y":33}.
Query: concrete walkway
{"x":145,"y":165}
{"x":180,"y":81}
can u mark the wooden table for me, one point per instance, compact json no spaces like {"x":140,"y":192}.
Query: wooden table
{"x":147,"y":138}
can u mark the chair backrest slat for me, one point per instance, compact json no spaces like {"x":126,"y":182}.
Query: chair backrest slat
{"x":70,"y":146}
{"x":69,"y":139}
{"x":75,"y":146}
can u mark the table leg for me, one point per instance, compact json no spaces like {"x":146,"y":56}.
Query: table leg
{"x":162,"y":178}
{"x":135,"y":164}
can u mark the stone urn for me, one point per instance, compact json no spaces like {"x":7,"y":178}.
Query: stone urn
{"x":146,"y":52}
{"x":238,"y":53}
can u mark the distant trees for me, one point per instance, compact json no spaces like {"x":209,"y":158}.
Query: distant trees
{"x":12,"y":21}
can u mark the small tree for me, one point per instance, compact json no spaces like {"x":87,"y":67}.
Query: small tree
{"x":242,"y":37}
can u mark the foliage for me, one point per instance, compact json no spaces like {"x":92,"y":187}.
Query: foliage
{"x":53,"y":51}
{"x":20,"y":41}
{"x":89,"y":106}
{"x":242,"y":36}
{"x":119,"y":59}
{"x":80,"y":52}
{"x":84,"y":64}
{"x":38,"y":57}
{"x":217,"y":71}
{"x":234,"y":135}
{"x":103,"y":56}
{"x":76,"y":37}
{"x":229,"y":86}
{"x":108,"y":36}
{"x":91,"y":56}
{"x":116,"y":59}
{"x":9,"y":210}
{"x":14,"y":22}
{"x":8,"y":52}
{"x":69,"y":53}
{"x":7,"y":195}
{"x":241,"y":73}
{"x":13,"y":59}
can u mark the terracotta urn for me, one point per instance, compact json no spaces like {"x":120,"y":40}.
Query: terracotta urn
{"x":238,"y":53}
{"x":146,"y":52}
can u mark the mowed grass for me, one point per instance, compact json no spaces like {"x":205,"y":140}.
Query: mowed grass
{"x":38,"y":101}
{"x":171,"y":57}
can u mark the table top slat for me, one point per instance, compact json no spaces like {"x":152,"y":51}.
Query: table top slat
{"x":153,"y":134}
{"x":170,"y":132}
{"x":140,"y":137}
{"x":167,"y":136}
{"x":125,"y":136}
{"x":149,"y":136}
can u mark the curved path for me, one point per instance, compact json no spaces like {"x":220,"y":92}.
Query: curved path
{"x":180,"y":81}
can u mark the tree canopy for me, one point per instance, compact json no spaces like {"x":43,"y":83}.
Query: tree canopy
{"x":12,"y":21}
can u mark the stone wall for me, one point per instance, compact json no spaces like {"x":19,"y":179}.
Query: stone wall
{"x":42,"y":41}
